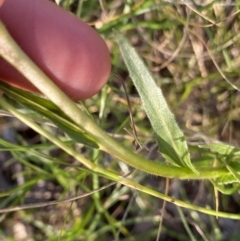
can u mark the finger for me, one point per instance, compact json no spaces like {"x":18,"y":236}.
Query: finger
{"x":70,"y":52}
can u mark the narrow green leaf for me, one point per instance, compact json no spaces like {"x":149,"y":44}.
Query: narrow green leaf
{"x":171,"y":140}
{"x":47,"y":109}
{"x":228,"y":155}
{"x":222,"y":149}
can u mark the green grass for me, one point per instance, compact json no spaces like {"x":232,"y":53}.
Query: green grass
{"x":194,"y":57}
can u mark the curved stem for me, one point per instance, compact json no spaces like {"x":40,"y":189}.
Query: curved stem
{"x":12,"y":53}
{"x":106,"y":173}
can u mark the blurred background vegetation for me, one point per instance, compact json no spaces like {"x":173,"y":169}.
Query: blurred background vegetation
{"x":192,"y":49}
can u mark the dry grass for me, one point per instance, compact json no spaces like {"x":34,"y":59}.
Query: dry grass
{"x":193,"y":53}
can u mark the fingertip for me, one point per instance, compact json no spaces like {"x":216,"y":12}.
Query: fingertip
{"x":66,"y":49}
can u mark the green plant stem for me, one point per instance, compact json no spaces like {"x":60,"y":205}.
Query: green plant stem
{"x":57,"y":142}
{"x":12,"y":53}
{"x":105,"y":173}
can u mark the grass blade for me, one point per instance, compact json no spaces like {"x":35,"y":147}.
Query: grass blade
{"x":47,"y":109}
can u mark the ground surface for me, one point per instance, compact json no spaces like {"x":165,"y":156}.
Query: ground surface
{"x":192,"y":51}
